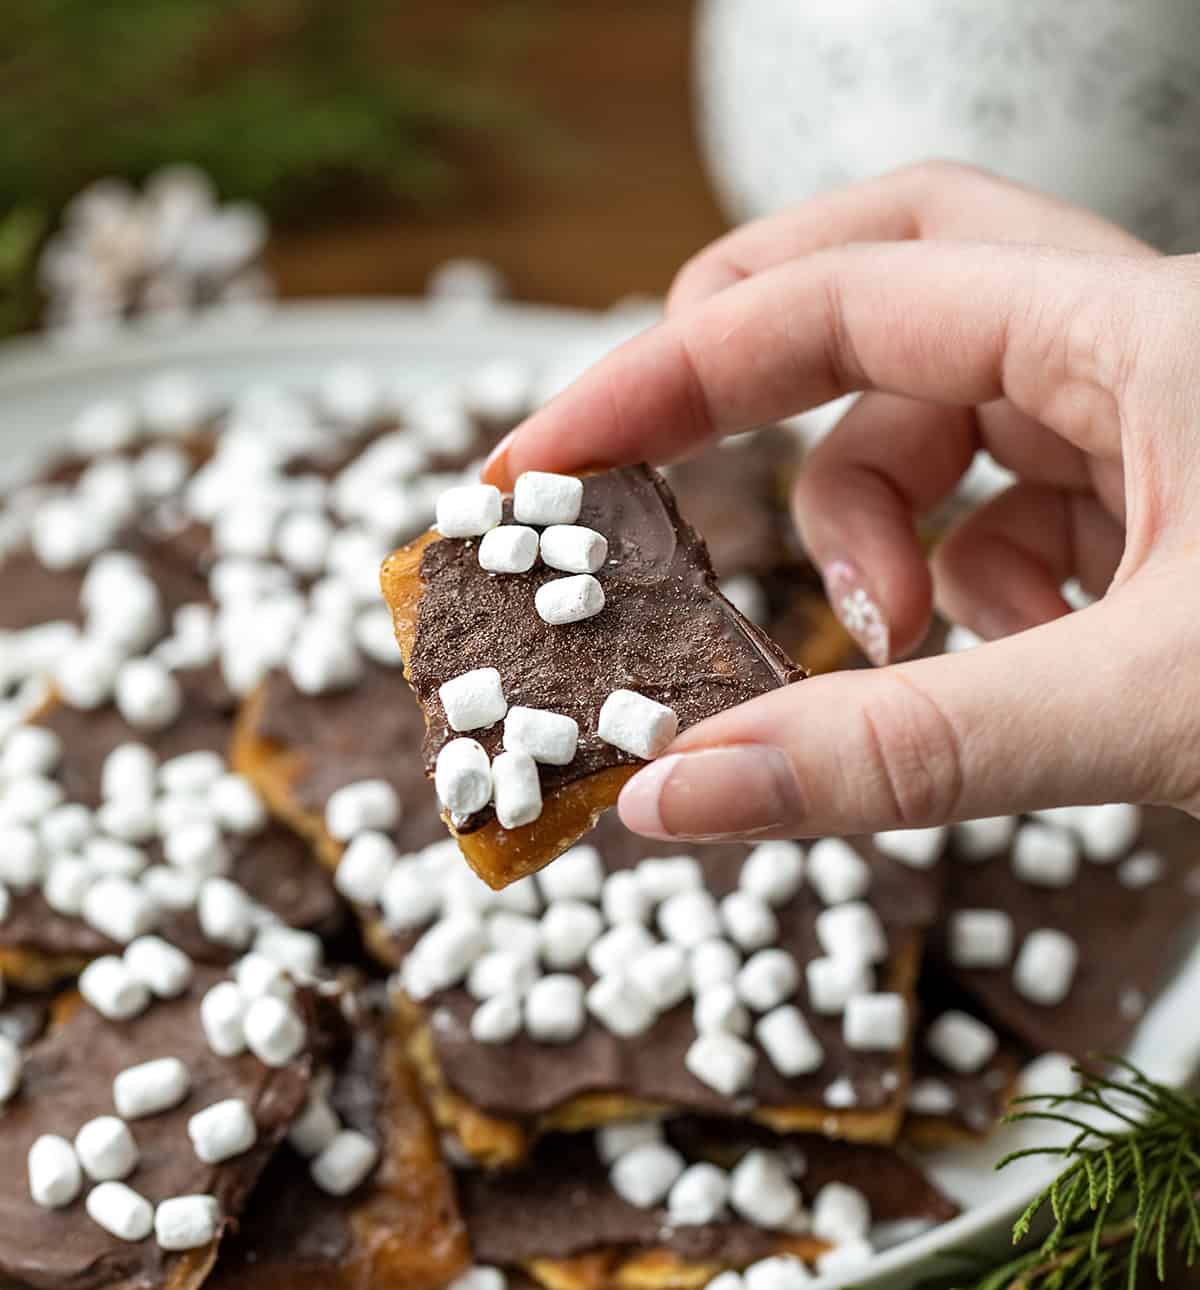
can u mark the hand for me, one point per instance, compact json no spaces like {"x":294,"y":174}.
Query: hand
{"x":1074,"y":358}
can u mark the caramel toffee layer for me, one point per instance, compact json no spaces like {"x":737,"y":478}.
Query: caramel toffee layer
{"x":561,"y":1204}
{"x":1130,"y":941}
{"x":68,"y":1080}
{"x":665,"y":630}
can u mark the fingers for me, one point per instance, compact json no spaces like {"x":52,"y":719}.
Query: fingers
{"x":1057,"y":714}
{"x":948,"y":323}
{"x":932,"y":200}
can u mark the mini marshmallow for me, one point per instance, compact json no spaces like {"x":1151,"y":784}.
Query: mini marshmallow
{"x":618,"y":947}
{"x":11,"y":1063}
{"x":501,"y":972}
{"x":30,"y":750}
{"x":129,"y":771}
{"x":718,"y":1008}
{"x":573,"y":548}
{"x":106,"y":1149}
{"x":548,"y":737}
{"x":876,"y":1023}
{"x":729,"y":1280}
{"x":761,"y":1191}
{"x":837,"y":872}
{"x":66,"y":827}
{"x":779,"y":1272}
{"x":961,"y":1041}
{"x":463,"y":891}
{"x":698,"y":1196}
{"x":222,"y":1015}
{"x":510,"y":548}
{"x":163,"y":968}
{"x":542,"y":498}
{"x":917,"y":848}
{"x":469,"y":510}
{"x":570,"y":600}
{"x":852,"y":930}
{"x":171,"y":888}
{"x":841,"y":1094}
{"x":368,"y":804}
{"x":689,"y":917}
{"x":121,"y":1211}
{"x":790,"y":1045}
{"x":222,"y":1131}
{"x":1142,"y":869}
{"x":146,"y":694}
{"x":662,"y":975}
{"x":109,"y":986}
{"x":463,"y":777}
{"x":749,"y":920}
{"x":645,"y":1174}
{"x":55,"y":1178}
{"x":316,"y":1126}
{"x":985,"y":838}
{"x":150,"y":1087}
{"x":300,"y":952}
{"x":66,"y":885}
{"x":408,"y":898}
{"x":617,"y":1139}
{"x":497,"y":1020}
{"x":28,"y":798}
{"x":518,"y":791}
{"x":187,"y":1222}
{"x":86,"y":673}
{"x":980,"y":938}
{"x":274,"y":1031}
{"x":1108,"y":831}
{"x":620,"y":1006}
{"x":131,"y":819}
{"x":635,"y":724}
{"x":194,"y":772}
{"x":569,"y":927}
{"x":344,"y":1163}
{"x":722,"y":1062}
{"x":847,"y":1259}
{"x":444,"y":955}
{"x":554,"y":1011}
{"x":302,"y":541}
{"x":712,"y":962}
{"x":365,"y":865}
{"x":321,"y":660}
{"x":225,"y":913}
{"x":661,"y":878}
{"x":518,"y":934}
{"x":833,"y":981}
{"x":374,"y":636}
{"x":578,"y":874}
{"x":473,"y":700}
{"x":106,"y":425}
{"x":931,"y":1097}
{"x":174,"y":813}
{"x":623,"y":899}
{"x":840,"y":1213}
{"x":480,"y":1278}
{"x":257,"y":976}
{"x":1045,"y":967}
{"x":767,"y":978}
{"x":21,"y":861}
{"x":1045,"y":856}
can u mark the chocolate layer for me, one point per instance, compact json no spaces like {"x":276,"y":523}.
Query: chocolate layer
{"x":665,"y":631}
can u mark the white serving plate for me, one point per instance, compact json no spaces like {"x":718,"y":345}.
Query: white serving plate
{"x":414,"y":346}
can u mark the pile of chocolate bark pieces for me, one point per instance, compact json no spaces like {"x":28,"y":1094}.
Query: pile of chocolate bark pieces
{"x":219,"y":850}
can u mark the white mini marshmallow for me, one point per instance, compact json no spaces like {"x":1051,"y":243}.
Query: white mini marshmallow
{"x":364,"y":867}
{"x":1045,"y":856}
{"x":106,"y":1149}
{"x":501,"y":972}
{"x":480,"y":1278}
{"x":66,"y":885}
{"x":662,"y":975}
{"x":322,"y":659}
{"x":729,"y":1280}
{"x":548,"y":737}
{"x":662,"y":877}
{"x":1045,"y":966}
{"x":645,"y":1174}
{"x":761,"y":1191}
{"x":1142,"y":869}
{"x":344,"y":1163}
{"x":21,"y":861}
{"x":517,"y":789}
{"x":718,"y":1008}
{"x":623,"y":899}
{"x":256,"y":976}
{"x":510,"y":548}
{"x":131,"y":819}
{"x":569,"y":600}
{"x":473,"y":700}
{"x":109,"y":986}
{"x":982,"y":839}
{"x":28,"y":797}
{"x":223,"y":1130}
{"x":30,"y":750}
{"x":834,"y":981}
{"x":187,"y":1222}
{"x":368,"y":804}
{"x":316,"y":1126}
{"x":444,"y":955}
{"x":917,"y":848}
{"x":129,"y":771}
{"x":150,"y":1087}
{"x":463,"y":777}
{"x":121,"y":1211}
{"x":516,"y":933}
{"x":635,"y":724}
{"x":852,"y":930}
{"x":374,"y":636}
{"x":767,"y":978}
{"x":790,"y":1045}
{"x":66,"y":827}
{"x":193,"y":772}
{"x":980,"y":938}
{"x":107,"y":425}
{"x":836,"y":872}
{"x":542,"y":498}
{"x":845,"y":1261}
{"x":961,"y":1041}
{"x":573,"y":548}
{"x":11,"y":1063}
{"x":931,"y":1096}
{"x":722,"y":1062}
{"x":469,"y":510}
{"x":302,"y":541}
{"x":713,"y":962}
{"x":779,"y":1272}
{"x":698,"y":1196}
{"x":569,"y":927}
{"x":225,"y":913}
{"x":163,"y":968}
{"x":689,"y":917}
{"x":1108,"y":831}
{"x":274,"y":1031}
{"x":875,"y":1023}
{"x":408,"y":898}
{"x":619,"y":1006}
{"x":618,"y":948}
{"x":300,"y":952}
{"x":749,"y":920}
{"x":615,"y":1140}
{"x":55,"y":1178}
{"x":170,"y":888}
{"x":554,"y":1009}
{"x":86,"y":673}
{"x":146,"y":694}
{"x":497,"y":1020}
{"x":108,"y":856}
{"x":578,"y":874}
{"x":840,"y":1213}
{"x":222,"y":1015}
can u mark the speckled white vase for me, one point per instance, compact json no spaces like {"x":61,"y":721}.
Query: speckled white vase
{"x":1097,"y":100}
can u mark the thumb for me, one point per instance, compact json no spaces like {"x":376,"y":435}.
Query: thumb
{"x":1063,"y":713}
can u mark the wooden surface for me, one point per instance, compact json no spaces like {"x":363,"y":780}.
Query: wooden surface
{"x":613,"y":207}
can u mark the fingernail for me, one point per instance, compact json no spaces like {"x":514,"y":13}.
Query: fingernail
{"x":715,"y":793}
{"x":857,"y":610}
{"x":497,"y":454}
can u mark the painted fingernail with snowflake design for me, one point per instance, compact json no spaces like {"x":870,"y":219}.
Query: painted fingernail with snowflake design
{"x":857,"y":610}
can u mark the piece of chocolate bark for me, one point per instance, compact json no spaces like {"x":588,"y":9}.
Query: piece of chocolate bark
{"x":618,"y":661}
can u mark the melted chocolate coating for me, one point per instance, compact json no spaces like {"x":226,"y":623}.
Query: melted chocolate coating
{"x":665,"y":631}
{"x":23,"y":1015}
